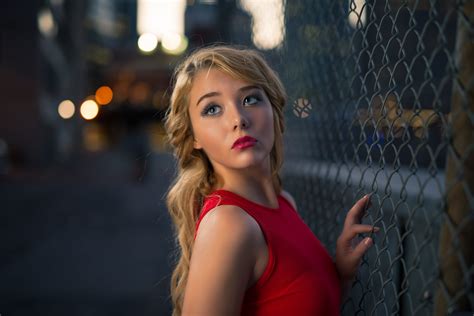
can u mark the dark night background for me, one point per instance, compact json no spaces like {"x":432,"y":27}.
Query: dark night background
{"x":84,"y":228}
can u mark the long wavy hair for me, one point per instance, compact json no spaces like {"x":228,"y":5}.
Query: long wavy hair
{"x":195,"y":177}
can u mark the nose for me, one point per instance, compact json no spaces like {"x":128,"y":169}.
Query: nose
{"x":240,"y":119}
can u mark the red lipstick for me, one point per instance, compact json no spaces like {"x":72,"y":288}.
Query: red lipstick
{"x":244,"y":142}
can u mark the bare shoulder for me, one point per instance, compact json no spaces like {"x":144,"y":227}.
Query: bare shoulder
{"x":227,"y":218}
{"x":290,"y":198}
{"x":222,"y":262}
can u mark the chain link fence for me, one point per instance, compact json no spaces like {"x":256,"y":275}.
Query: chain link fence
{"x":381,"y":101}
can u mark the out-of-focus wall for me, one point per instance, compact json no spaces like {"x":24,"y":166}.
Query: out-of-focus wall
{"x":20,"y":117}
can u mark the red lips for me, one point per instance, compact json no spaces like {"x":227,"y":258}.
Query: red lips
{"x":243,"y":142}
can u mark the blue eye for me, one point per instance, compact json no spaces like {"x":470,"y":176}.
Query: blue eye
{"x":252,"y":99}
{"x":207,"y":110}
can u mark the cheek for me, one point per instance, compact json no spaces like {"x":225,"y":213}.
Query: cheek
{"x":271,"y":127}
{"x":268,"y":121}
{"x":209,"y":138}
{"x":263,"y":124}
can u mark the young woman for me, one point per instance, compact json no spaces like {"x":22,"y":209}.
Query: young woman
{"x":244,"y":250}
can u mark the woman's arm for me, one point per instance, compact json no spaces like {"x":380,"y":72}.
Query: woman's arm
{"x":222,"y":262}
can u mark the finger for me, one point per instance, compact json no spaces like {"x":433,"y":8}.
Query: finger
{"x":366,"y":210}
{"x":362,"y":248}
{"x":361,"y":229}
{"x":352,"y":231}
{"x":354,"y":214}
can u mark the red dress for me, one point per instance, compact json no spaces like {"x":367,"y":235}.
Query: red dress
{"x":300,"y":277}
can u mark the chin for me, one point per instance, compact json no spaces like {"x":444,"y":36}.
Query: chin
{"x":244,"y":161}
{"x":252,"y":161}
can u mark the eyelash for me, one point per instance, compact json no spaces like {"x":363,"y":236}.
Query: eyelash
{"x":206,"y":109}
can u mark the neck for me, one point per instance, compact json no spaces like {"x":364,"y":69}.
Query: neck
{"x":255,"y":184}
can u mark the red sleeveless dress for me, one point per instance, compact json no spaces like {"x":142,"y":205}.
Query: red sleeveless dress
{"x":300,"y":277}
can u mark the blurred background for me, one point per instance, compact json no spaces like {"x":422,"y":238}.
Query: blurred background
{"x":83,"y":167}
{"x":380,"y":101}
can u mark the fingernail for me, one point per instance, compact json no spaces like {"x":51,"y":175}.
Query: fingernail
{"x":376,"y":229}
{"x":368,"y":241}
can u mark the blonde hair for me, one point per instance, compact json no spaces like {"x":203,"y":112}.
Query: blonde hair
{"x":195,"y":176}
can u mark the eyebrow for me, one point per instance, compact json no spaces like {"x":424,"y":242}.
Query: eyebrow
{"x":213,"y":94}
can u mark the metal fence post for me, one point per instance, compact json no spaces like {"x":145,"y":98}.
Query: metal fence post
{"x":455,"y":292}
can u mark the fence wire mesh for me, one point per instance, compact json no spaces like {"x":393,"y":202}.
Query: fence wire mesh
{"x":381,"y":101}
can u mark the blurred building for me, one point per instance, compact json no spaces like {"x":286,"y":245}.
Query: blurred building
{"x":56,"y":54}
{"x":20,"y":116}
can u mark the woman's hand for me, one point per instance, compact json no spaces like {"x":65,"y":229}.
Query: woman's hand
{"x":348,"y":252}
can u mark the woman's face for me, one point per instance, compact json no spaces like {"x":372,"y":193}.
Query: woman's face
{"x":224,"y":109}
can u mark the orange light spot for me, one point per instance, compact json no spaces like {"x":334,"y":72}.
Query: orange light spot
{"x":104,"y":95}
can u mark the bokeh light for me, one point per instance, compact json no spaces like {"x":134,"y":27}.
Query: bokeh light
{"x":147,"y":42}
{"x":104,"y":95}
{"x":171,"y":41}
{"x":268,"y":22}
{"x":357,"y":13}
{"x":160,"y":17}
{"x":174,"y":44}
{"x":46,"y":23}
{"x":93,"y":137}
{"x":139,"y":93}
{"x":66,"y":109}
{"x":89,"y":109}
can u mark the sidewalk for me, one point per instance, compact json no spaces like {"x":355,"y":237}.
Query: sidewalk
{"x":86,"y":239}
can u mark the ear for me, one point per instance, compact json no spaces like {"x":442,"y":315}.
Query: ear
{"x":197,"y":145}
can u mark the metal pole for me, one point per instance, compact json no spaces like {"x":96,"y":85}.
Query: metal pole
{"x":455,"y":292}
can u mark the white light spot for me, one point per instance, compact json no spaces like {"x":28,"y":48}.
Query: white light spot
{"x":147,"y":42}
{"x":171,"y":41}
{"x":357,"y":13}
{"x":160,"y":17}
{"x":268,"y":26}
{"x":46,"y":23}
{"x":66,"y":109}
{"x":174,"y":44}
{"x":89,"y":109}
